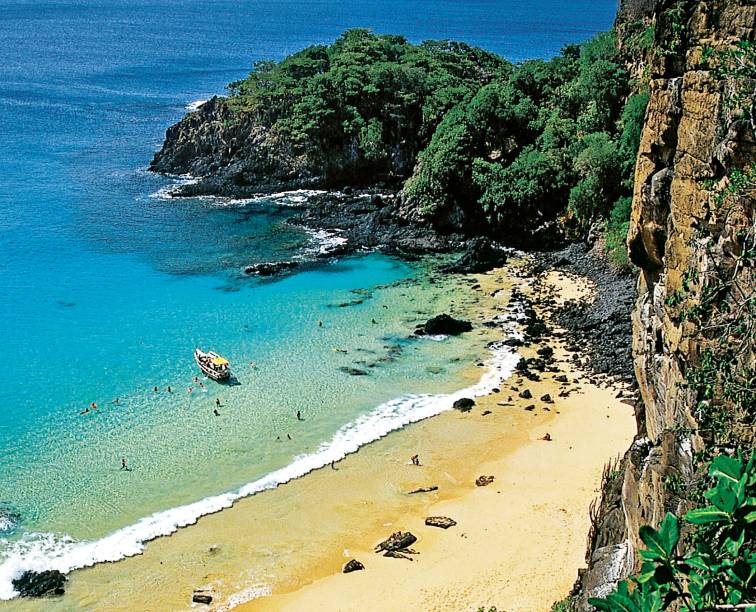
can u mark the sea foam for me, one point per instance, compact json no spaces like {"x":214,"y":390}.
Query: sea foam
{"x":47,"y":551}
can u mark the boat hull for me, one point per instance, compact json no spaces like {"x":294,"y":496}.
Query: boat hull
{"x":210,"y":372}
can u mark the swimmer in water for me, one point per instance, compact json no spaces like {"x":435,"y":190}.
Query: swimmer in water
{"x":215,"y":412}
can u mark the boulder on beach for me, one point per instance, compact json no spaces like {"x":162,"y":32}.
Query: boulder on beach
{"x":444,"y":522}
{"x":483,"y":481}
{"x":201,"y":596}
{"x":40,"y":584}
{"x":352,"y":566}
{"x":463,"y":404}
{"x":443,"y":324}
{"x":424,"y":490}
{"x":397,"y":541}
{"x":526,"y":394}
{"x":481,"y":256}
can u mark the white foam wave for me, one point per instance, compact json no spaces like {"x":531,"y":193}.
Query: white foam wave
{"x":193,"y":106}
{"x":47,"y":551}
{"x":326,"y":241}
{"x":169,"y":191}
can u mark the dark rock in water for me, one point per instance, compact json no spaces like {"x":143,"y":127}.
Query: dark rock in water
{"x":424,"y":490}
{"x":40,"y":584}
{"x":444,"y":522}
{"x":444,"y":324}
{"x":526,"y":394}
{"x":353,"y":371}
{"x":522,"y":365}
{"x":464,"y":404}
{"x":353,"y":566}
{"x":9,"y":518}
{"x":396,"y":542}
{"x":270,"y":268}
{"x":483,"y":481}
{"x":514,"y":342}
{"x":482,"y":255}
{"x":202,"y":597}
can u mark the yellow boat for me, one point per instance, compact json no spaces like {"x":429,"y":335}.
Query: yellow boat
{"x":212,"y":365}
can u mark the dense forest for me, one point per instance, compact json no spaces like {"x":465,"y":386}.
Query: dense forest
{"x":475,"y":142}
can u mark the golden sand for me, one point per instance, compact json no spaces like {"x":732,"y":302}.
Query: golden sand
{"x":517,"y":545}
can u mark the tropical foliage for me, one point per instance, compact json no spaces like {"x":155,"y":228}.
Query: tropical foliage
{"x":718,"y":571}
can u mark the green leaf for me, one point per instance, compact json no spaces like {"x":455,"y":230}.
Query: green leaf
{"x":601,"y":604}
{"x":654,"y":541}
{"x":710,"y":514}
{"x":623,"y":603}
{"x":723,"y":497}
{"x":726,"y":467}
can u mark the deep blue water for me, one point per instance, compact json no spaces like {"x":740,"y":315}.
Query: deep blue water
{"x":104,"y":290}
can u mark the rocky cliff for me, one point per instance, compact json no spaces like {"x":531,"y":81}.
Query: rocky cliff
{"x":691,"y":233}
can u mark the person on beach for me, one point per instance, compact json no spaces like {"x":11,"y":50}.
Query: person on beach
{"x":415,"y":460}
{"x":299,"y":415}
{"x":333,"y":465}
{"x":124,"y":465}
{"x":547,"y":437}
{"x":288,"y":436}
{"x":215,"y":412}
{"x":217,"y":401}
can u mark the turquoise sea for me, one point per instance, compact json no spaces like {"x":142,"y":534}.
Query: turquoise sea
{"x":106,"y":287}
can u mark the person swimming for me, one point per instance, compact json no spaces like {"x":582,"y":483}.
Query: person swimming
{"x":215,"y":412}
{"x":169,"y":389}
{"x":217,"y":401}
{"x":124,"y":465}
{"x":299,"y":415}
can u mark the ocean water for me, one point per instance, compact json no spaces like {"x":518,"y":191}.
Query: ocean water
{"x":106,"y":287}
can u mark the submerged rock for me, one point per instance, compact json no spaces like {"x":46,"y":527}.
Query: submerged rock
{"x":352,"y":566}
{"x":270,"y":268}
{"x":443,"y":324}
{"x":40,"y":584}
{"x":444,"y":522}
{"x":353,"y":371}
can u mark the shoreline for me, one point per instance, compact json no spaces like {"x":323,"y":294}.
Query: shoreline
{"x":370,"y":489}
{"x":497,"y":554}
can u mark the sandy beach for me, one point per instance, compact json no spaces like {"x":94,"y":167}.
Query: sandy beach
{"x":517,"y":544}
{"x":519,"y":541}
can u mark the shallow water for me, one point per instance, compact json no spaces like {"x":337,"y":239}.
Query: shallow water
{"x":106,"y":289}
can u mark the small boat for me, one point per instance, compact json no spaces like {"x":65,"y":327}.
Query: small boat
{"x":212,"y":365}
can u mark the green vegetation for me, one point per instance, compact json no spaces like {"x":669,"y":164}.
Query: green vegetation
{"x":719,"y":570}
{"x":501,"y":147}
{"x":550,"y":139}
{"x":371,"y":91}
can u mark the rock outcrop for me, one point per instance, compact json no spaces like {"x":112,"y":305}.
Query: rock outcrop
{"x":686,"y":238}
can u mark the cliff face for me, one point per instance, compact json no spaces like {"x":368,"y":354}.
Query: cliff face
{"x":232,"y":152}
{"x":686,"y":237}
